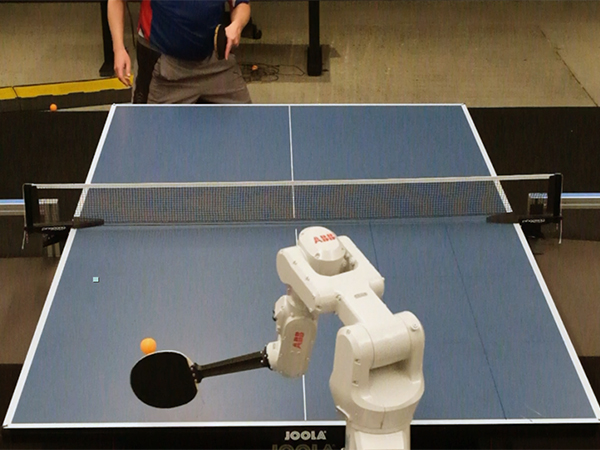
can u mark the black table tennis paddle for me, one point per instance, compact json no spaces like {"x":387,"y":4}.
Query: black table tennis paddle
{"x":164,"y":380}
{"x":168,"y":379}
{"x":220,"y":41}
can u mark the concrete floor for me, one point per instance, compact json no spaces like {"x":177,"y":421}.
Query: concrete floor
{"x":24,"y":284}
{"x":572,"y":272}
{"x":481,"y":53}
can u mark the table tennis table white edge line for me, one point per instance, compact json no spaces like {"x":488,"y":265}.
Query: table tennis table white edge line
{"x":538,"y":274}
{"x":418,"y":422}
{"x":94,"y":163}
{"x":283,"y":105}
{"x":38,"y":331}
{"x":550,"y":421}
{"x":54,"y":286}
{"x":559,"y":323}
{"x":376,"y":104}
{"x":486,"y":157}
{"x":100,"y":145}
{"x":99,"y":425}
{"x":191,"y":105}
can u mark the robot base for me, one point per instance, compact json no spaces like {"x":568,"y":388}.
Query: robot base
{"x":356,"y":440}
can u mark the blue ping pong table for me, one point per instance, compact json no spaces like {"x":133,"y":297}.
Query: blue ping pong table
{"x":496,"y":349}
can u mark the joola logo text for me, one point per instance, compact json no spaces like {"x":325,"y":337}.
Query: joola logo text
{"x":305,"y":435}
{"x":301,"y":447}
{"x":324,"y":238}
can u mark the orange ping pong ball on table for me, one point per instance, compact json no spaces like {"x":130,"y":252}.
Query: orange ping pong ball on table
{"x":148,"y":345}
{"x":53,"y":107}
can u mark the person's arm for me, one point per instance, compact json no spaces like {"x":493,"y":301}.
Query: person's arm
{"x":116,"y":15}
{"x":240,"y":16}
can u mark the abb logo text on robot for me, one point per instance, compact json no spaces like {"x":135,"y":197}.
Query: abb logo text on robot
{"x":298,"y":339}
{"x":324,"y":238}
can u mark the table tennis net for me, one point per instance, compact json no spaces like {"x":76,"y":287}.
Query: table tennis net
{"x":164,"y":203}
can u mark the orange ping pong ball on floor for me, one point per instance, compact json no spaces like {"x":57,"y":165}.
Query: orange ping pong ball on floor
{"x":148,"y":345}
{"x":53,"y":107}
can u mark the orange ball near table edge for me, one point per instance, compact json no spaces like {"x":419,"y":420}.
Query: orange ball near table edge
{"x":148,"y":345}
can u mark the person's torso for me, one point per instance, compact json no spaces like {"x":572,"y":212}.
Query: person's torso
{"x":181,"y":28}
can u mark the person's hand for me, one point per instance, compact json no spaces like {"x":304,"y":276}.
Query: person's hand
{"x":123,"y":66}
{"x":233,"y":33}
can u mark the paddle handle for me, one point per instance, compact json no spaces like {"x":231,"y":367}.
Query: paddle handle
{"x":242,"y":363}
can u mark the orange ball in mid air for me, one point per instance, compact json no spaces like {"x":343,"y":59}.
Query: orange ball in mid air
{"x":53,"y":107}
{"x":148,"y":345}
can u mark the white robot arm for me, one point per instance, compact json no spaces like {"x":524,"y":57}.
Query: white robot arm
{"x":377,"y":378}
